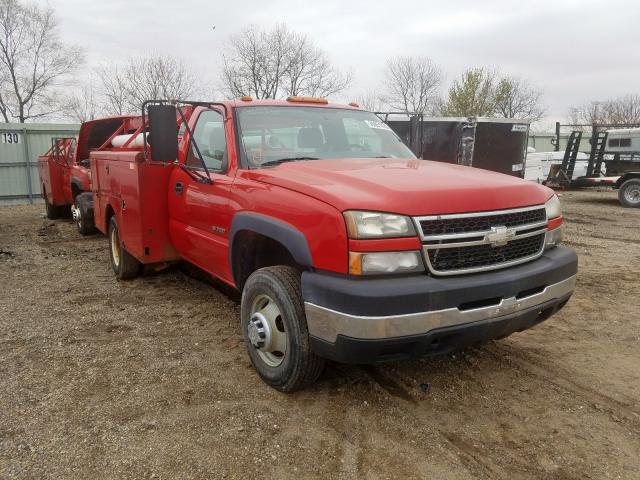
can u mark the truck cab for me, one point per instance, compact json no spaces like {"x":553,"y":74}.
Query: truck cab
{"x":54,"y":168}
{"x":343,"y":244}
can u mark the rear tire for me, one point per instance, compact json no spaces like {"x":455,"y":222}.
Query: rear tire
{"x":52,"y":212}
{"x":629,"y":193}
{"x":124,"y":265}
{"x":272,"y":300}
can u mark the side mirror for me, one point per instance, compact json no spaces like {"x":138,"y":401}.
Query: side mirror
{"x":163,"y":133}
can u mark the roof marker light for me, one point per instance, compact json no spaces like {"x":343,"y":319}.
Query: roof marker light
{"x":308,"y":100}
{"x":247,"y":98}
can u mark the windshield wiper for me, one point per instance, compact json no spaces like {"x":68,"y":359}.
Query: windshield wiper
{"x":283,"y":160}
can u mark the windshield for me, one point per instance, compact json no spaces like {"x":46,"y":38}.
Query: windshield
{"x":271,"y":135}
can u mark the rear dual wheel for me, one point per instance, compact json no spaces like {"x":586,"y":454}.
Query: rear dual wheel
{"x":275,"y":331}
{"x":124,"y":265}
{"x":52,"y":212}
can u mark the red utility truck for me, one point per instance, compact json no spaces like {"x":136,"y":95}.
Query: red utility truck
{"x":65,"y":177}
{"x":343,"y":244}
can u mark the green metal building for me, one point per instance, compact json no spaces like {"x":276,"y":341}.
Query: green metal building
{"x":20,"y":146}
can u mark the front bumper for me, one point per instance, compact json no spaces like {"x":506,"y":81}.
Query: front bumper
{"x":370,"y":320}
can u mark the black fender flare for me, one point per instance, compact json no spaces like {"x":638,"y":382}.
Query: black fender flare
{"x":626,"y":176}
{"x":86,"y":198}
{"x":76,"y":182}
{"x":292,"y":238}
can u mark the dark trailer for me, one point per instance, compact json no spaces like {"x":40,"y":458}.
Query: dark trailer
{"x":495,"y":144}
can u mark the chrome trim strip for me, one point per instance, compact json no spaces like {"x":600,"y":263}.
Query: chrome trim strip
{"x":327,"y":324}
{"x":484,"y":213}
{"x":484,"y":241}
{"x":478,"y":233}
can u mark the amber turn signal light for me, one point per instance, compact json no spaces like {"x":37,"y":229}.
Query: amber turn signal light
{"x":555,"y":222}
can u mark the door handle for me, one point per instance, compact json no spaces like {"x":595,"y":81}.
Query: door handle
{"x":178,"y":187}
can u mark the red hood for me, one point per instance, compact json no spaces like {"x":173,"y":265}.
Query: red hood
{"x":410,"y":187}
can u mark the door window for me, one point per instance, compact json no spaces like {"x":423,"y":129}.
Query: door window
{"x":210,"y":138}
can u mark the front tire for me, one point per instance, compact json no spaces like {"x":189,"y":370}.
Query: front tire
{"x":275,"y":331}
{"x":629,"y":194}
{"x":83,"y":215}
{"x":124,"y":265}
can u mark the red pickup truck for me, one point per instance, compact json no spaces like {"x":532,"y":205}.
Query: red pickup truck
{"x":65,"y":177}
{"x":344,"y":245}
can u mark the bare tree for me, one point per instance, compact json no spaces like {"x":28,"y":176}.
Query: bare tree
{"x":82,"y":106}
{"x":624,"y":109}
{"x":308,"y":71}
{"x":412,"y":84}
{"x":516,"y":98}
{"x":586,"y":114}
{"x":157,"y":77}
{"x":621,"y":110}
{"x":371,"y":101}
{"x":112,"y":90}
{"x":123,"y":89}
{"x":278,"y":63}
{"x":34,"y":61}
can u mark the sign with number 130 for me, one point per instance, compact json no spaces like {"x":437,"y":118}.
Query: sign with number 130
{"x":10,"y":137}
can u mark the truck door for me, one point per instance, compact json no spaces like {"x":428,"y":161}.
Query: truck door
{"x":67,"y":149}
{"x":198,"y":212}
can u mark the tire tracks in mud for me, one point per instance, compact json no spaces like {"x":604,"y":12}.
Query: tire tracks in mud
{"x":478,"y":458}
{"x":476,"y":462}
{"x":562,"y":379}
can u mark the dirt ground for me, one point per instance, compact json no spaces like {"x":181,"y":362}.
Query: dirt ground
{"x":150,"y":379}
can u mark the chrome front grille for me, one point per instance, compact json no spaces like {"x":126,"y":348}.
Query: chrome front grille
{"x":446,"y":225}
{"x":472,"y":242}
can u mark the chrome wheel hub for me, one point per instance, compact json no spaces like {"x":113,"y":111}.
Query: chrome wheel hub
{"x":259,"y":331}
{"x":633,"y":195}
{"x":266,"y":331}
{"x":75,"y":212}
{"x":115,"y":247}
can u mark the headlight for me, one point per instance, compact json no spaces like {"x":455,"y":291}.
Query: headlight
{"x":378,"y":263}
{"x":553,"y":207}
{"x":362,"y":225}
{"x":554,"y":222}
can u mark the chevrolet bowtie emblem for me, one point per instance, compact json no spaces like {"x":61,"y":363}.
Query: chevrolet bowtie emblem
{"x":499,"y":236}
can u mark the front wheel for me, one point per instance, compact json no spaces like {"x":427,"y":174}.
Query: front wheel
{"x":275,"y":332}
{"x":82,"y":213}
{"x":629,"y":194}
{"x":124,"y":265}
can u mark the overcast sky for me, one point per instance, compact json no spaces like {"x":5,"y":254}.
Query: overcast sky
{"x":576,"y":51}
